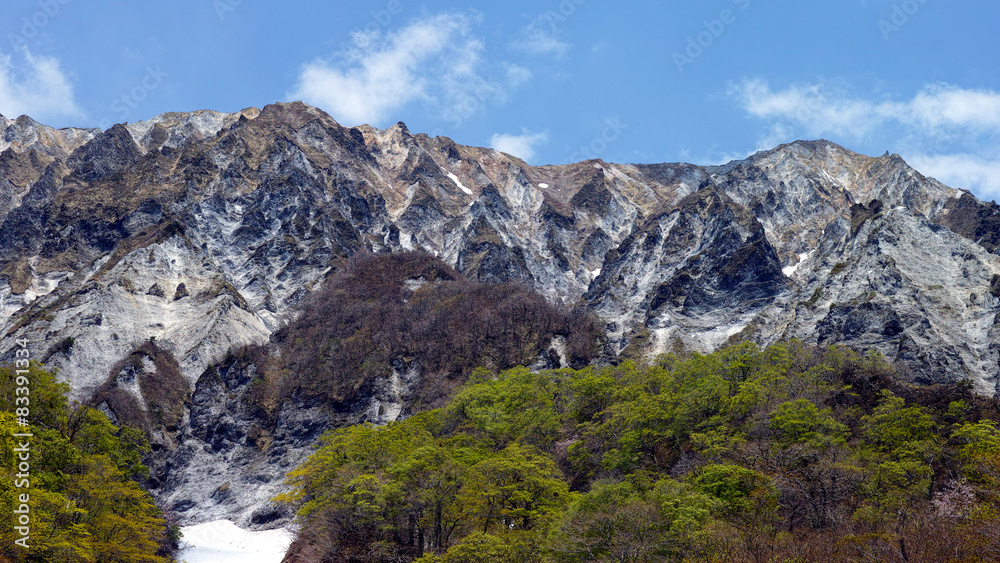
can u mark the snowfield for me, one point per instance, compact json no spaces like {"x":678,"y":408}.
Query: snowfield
{"x":222,"y":541}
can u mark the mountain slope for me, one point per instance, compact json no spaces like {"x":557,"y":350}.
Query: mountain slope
{"x":205,"y":231}
{"x":250,"y":210}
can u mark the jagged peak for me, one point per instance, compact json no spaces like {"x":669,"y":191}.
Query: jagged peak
{"x":198,"y":124}
{"x":399,"y":130}
{"x":299,"y":111}
{"x":26,"y":121}
{"x":24,"y":133}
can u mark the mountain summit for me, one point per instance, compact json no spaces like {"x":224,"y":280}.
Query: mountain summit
{"x":201,"y":233}
{"x":248,"y":211}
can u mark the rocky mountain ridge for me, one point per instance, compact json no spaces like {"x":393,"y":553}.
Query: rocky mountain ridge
{"x":249,"y":210}
{"x":203,"y":231}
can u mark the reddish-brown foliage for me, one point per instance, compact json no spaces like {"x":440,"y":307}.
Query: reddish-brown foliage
{"x":385,"y":312}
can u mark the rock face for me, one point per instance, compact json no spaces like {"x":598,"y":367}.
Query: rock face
{"x":204,"y":230}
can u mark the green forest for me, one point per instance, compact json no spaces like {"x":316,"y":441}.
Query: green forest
{"x":86,"y":504}
{"x":784,"y":454}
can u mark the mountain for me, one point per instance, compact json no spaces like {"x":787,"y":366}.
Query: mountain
{"x":159,"y":250}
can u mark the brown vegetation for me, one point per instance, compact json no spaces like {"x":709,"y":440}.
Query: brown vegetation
{"x":384,"y":312}
{"x":164,"y":390}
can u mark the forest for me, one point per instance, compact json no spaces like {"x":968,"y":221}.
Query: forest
{"x":783,"y":454}
{"x":789,"y":453}
{"x":86,"y":503}
{"x":394,"y":311}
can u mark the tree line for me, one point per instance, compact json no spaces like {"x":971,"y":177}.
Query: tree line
{"x":86,"y":503}
{"x":787,"y":453}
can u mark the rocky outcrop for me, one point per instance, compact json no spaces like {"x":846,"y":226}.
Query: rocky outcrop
{"x":205,"y":230}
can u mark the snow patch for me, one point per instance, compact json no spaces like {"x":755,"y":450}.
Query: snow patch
{"x":458,"y":183}
{"x":789,"y":270}
{"x":543,"y":185}
{"x":406,"y":240}
{"x":222,"y":541}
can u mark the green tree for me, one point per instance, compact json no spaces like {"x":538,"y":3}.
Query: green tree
{"x":631,"y":521}
{"x":517,"y":488}
{"x":84,"y":507}
{"x":803,"y":422}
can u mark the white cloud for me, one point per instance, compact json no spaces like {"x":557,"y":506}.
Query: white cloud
{"x":961,"y":171}
{"x":948,"y":132}
{"x":521,"y":146}
{"x":537,"y":41}
{"x":600,"y":47}
{"x":436,"y":60}
{"x":516,"y":75}
{"x":944,"y":105}
{"x":823,"y":109}
{"x":813,"y":107}
{"x":35,"y":85}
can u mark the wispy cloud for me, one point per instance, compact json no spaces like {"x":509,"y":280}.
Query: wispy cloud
{"x":35,"y":85}
{"x":521,"y":146}
{"x":812,"y":107}
{"x":536,"y":40}
{"x":436,"y":60}
{"x":962,"y":170}
{"x":822,"y":108}
{"x":946,"y":131}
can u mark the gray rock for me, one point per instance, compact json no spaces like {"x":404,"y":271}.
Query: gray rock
{"x":242,"y":215}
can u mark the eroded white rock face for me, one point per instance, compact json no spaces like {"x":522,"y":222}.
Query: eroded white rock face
{"x":205,"y":230}
{"x":167,"y":291}
{"x":909,"y":288}
{"x":23,"y":134}
{"x":272,"y":198}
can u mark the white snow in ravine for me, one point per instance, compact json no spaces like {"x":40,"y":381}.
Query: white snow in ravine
{"x":222,"y":541}
{"x":543,"y":185}
{"x":459,"y":183}
{"x":789,"y":270}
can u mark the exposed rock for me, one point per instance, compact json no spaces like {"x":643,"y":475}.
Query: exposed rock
{"x":242,"y":215}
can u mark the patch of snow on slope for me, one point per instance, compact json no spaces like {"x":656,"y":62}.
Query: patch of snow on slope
{"x":543,"y":185}
{"x":458,"y":183}
{"x":222,"y":541}
{"x":789,"y":270}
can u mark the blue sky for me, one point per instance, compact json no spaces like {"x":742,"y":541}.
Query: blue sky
{"x":552,"y":81}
